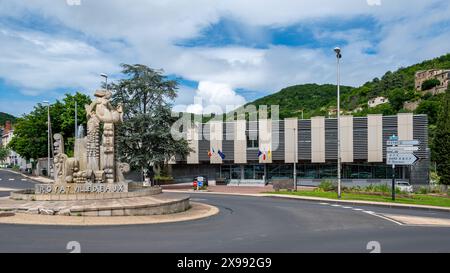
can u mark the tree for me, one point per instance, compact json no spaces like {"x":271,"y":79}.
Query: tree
{"x":430,"y":108}
{"x":4,"y":152}
{"x":430,"y":83}
{"x":144,"y":138}
{"x":397,"y":98}
{"x":30,"y":131}
{"x":441,"y":141}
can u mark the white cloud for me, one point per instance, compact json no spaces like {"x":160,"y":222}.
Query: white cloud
{"x":37,"y":61}
{"x":212,"y":97}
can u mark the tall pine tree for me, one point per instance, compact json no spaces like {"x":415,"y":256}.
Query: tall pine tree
{"x":144,"y":138}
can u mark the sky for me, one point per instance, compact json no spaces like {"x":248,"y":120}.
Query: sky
{"x":224,"y":53}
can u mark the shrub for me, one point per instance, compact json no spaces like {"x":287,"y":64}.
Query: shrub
{"x":430,"y":83}
{"x":422,"y":190}
{"x":327,"y":185}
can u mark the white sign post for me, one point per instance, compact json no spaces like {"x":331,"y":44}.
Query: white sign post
{"x":400,"y":152}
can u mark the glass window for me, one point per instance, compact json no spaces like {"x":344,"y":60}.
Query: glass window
{"x":327,"y":171}
{"x":379,"y":172}
{"x":259,"y":171}
{"x":225,"y":171}
{"x":365,"y":172}
{"x":236,"y":172}
{"x":252,"y":138}
{"x":311,"y":172}
{"x":249,"y":172}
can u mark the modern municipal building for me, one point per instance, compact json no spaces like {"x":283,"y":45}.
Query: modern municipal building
{"x":258,"y":152}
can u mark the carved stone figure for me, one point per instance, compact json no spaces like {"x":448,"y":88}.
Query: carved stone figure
{"x":94,"y":155}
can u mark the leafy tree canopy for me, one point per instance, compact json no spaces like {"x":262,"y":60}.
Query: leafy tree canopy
{"x":144,"y":138}
{"x":30,"y":131}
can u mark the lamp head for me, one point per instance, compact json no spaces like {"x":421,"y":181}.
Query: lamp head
{"x":338,"y":52}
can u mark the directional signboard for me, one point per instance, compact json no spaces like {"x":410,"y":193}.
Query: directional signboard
{"x":402,"y":149}
{"x":400,"y":159}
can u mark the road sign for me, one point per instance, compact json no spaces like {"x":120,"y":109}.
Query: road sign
{"x":409,"y":142}
{"x":200,"y":184}
{"x":401,"y":159}
{"x":412,"y":142}
{"x":402,"y":149}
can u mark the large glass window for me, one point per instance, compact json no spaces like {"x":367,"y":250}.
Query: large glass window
{"x":311,"y":172}
{"x":249,"y":172}
{"x":365,"y":172}
{"x":379,"y":172}
{"x":225,"y":171}
{"x":252,"y":136}
{"x":236,"y":172}
{"x":328,"y":171}
{"x":259,"y":171}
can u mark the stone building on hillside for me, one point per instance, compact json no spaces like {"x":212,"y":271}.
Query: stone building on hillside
{"x":442,"y":75}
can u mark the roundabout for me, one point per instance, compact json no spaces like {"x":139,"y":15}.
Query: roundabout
{"x":196,"y":211}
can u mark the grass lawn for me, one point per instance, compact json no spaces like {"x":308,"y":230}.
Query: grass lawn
{"x":416,"y":199}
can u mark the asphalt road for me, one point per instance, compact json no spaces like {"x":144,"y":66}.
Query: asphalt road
{"x":244,"y":224}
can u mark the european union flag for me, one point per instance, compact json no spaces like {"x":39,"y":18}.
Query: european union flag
{"x":222,"y":155}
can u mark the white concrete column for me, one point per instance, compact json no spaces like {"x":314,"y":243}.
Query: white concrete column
{"x":215,"y":136}
{"x":405,"y":126}
{"x":240,"y":142}
{"x":375,"y":138}
{"x":265,"y":140}
{"x":318,"y":139}
{"x":290,"y":139}
{"x":192,"y":138}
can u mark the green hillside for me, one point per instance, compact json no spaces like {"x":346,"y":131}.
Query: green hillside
{"x":4,"y":117}
{"x":313,"y":99}
{"x":397,"y":86}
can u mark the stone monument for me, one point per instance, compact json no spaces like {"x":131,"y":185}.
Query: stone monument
{"x":94,"y":167}
{"x":91,"y":183}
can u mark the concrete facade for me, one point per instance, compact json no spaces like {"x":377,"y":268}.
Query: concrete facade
{"x":314,"y":143}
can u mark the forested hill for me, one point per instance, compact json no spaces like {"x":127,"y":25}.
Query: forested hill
{"x":4,"y":117}
{"x":397,"y":86}
{"x":313,"y":99}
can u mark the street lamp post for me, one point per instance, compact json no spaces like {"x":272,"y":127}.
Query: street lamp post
{"x":48,"y":137}
{"x":295,"y":158}
{"x":76,"y":118}
{"x":106,"y":79}
{"x":338,"y":57}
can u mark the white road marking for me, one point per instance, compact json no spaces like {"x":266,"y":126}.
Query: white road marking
{"x":1,"y":179}
{"x":336,"y":205}
{"x":358,"y":209}
{"x":323,"y":203}
{"x":386,"y":218}
{"x":11,"y":179}
{"x":346,"y":207}
{"x":368,"y":211}
{"x":23,"y":179}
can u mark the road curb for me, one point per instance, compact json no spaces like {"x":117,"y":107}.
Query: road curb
{"x":318,"y":199}
{"x":34,"y":179}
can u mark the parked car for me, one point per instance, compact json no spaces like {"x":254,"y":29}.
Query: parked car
{"x":202,"y":177}
{"x":404,"y":186}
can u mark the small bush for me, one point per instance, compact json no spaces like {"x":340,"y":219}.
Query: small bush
{"x":430,"y":83}
{"x":327,"y":185}
{"x":422,"y":190}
